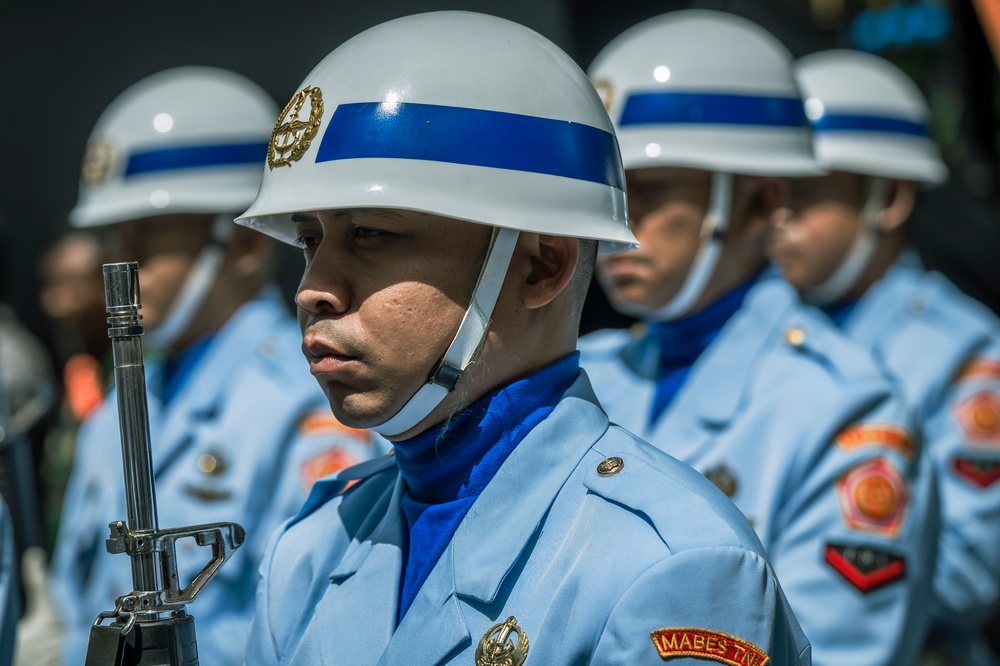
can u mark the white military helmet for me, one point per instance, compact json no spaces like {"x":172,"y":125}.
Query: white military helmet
{"x":868,"y":117}
{"x":185,"y":140}
{"x":456,"y":114}
{"x":705,"y":90}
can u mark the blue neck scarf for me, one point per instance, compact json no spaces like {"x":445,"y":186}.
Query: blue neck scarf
{"x":683,"y":340}
{"x":840,"y":312}
{"x":447,"y":467}
{"x":177,"y":369}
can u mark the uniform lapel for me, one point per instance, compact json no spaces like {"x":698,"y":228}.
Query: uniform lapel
{"x":356,"y":617}
{"x":194,"y":409}
{"x":715,"y":389}
{"x":496,"y":530}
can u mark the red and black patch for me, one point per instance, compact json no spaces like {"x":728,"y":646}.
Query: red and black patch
{"x":980,"y":472}
{"x":865,"y":568}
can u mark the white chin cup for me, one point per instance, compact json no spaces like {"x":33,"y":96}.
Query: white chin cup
{"x":713,"y":238}
{"x":200,"y":278}
{"x":468,"y":339}
{"x":860,"y":254}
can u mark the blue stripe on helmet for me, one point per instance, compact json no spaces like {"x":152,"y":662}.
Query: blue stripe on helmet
{"x":856,"y":122}
{"x":472,"y":136}
{"x":667,"y":108}
{"x":188,"y":157}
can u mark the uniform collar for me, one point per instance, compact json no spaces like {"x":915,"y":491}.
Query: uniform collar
{"x":720,"y":377}
{"x":884,"y":299}
{"x":522,"y":492}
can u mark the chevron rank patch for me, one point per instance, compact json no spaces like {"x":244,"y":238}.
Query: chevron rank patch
{"x":979,"y":472}
{"x":874,"y":434}
{"x":674,"y":643}
{"x":325,"y":423}
{"x":873,"y":498}
{"x":865,"y":568}
{"x":979,"y":416}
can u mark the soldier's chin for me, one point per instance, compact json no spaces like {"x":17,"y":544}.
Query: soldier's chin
{"x":357,"y":412}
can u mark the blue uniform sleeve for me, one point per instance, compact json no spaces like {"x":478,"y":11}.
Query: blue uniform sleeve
{"x":716,"y":604}
{"x":854,"y":546}
{"x":963,"y":440}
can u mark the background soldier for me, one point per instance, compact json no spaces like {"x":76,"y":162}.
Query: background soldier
{"x":730,"y":373}
{"x":843,"y":243}
{"x":238,"y":429}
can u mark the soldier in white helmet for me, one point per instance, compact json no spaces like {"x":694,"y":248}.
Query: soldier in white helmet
{"x":238,"y":429}
{"x":729,"y":372}
{"x":842,"y":242}
{"x":449,"y":177}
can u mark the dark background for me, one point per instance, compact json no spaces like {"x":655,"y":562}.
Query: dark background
{"x":62,"y":62}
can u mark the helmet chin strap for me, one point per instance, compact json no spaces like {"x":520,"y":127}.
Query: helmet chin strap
{"x":713,"y":237}
{"x":860,"y":254}
{"x":470,"y":336}
{"x":199,"y":280}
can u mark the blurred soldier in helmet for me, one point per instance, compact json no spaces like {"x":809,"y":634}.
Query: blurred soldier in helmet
{"x":842,"y":242}
{"x":449,"y":212}
{"x":728,"y":372}
{"x":238,"y":429}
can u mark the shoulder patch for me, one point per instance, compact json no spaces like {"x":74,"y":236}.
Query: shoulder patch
{"x":873,"y":498}
{"x":885,"y":435}
{"x":979,"y":417}
{"x":979,"y":368}
{"x":979,"y":472}
{"x":325,"y":423}
{"x":324,"y":463}
{"x":864,"y":567}
{"x":672,"y":643}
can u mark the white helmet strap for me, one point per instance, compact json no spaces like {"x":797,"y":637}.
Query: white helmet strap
{"x":199,"y":280}
{"x":713,"y":237}
{"x":470,"y":336}
{"x":860,"y":254}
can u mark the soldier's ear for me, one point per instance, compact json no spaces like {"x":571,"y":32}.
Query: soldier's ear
{"x":902,"y":195}
{"x":547,"y":267}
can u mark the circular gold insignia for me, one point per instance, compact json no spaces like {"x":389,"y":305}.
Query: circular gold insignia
{"x":98,"y":158}
{"x":604,"y":89}
{"x":723,"y":479}
{"x":610,"y":466}
{"x":875,"y":497}
{"x":497,"y":649}
{"x":211,"y":463}
{"x":985,"y":417}
{"x":293,"y":133}
{"x":796,"y":337}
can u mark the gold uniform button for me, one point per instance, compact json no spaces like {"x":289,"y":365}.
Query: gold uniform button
{"x":795,"y":336}
{"x":208,"y":463}
{"x":610,"y":466}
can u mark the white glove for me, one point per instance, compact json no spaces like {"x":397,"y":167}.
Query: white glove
{"x":39,"y":631}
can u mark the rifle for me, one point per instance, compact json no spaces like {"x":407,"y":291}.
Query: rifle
{"x":150,"y":626}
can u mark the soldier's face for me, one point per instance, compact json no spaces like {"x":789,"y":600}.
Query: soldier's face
{"x":667,"y":207}
{"x":381,"y":298}
{"x":811,"y":237}
{"x":165,"y":248}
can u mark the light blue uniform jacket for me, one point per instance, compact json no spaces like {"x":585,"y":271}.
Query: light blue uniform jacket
{"x":589,"y":565}
{"x":10,"y":593}
{"x":944,"y":348}
{"x":241,"y":443}
{"x":759,"y":413}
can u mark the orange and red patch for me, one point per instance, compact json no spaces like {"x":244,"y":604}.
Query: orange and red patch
{"x":887,"y":436}
{"x":325,"y":423}
{"x":873,"y":498}
{"x":672,"y":643}
{"x":326,"y":463}
{"x":979,"y":416}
